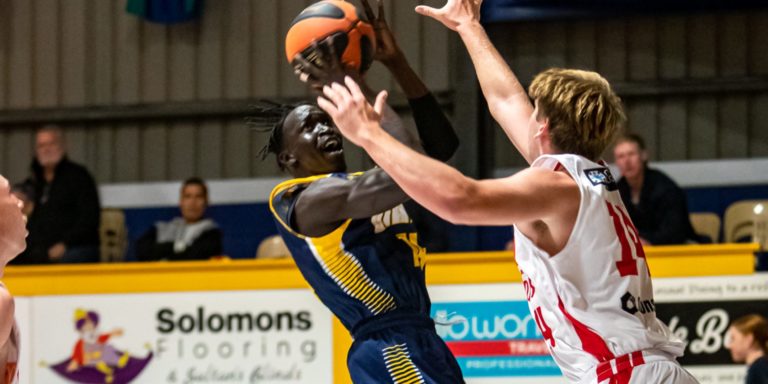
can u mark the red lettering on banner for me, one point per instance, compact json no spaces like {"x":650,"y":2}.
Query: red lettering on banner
{"x":526,"y":347}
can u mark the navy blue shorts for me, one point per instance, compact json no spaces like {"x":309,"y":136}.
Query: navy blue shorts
{"x":401,"y":350}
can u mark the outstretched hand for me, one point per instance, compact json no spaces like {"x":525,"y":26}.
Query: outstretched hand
{"x":455,"y":13}
{"x":355,"y":117}
{"x":323,"y":66}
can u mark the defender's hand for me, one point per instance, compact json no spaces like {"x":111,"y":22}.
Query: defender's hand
{"x":322,"y":67}
{"x":353,"y":115}
{"x":455,"y":13}
{"x":387,"y":50}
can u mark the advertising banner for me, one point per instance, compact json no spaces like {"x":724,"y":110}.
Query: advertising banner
{"x":211,"y":337}
{"x":495,"y":339}
{"x":699,"y":311}
{"x":490,"y":330}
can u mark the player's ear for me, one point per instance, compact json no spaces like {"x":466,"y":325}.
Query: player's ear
{"x":287,"y":160}
{"x":542,"y":127}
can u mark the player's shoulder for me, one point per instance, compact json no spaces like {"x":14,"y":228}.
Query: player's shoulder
{"x":545,"y":177}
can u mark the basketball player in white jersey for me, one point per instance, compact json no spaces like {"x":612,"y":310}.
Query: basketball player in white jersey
{"x":13,"y":233}
{"x":583,"y":267}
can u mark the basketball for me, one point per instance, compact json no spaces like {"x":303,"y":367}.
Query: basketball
{"x":355,"y":38}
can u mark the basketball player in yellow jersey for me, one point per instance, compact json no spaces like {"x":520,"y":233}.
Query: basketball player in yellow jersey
{"x":351,"y":236}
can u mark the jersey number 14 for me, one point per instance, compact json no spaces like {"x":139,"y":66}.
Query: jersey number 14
{"x":627,"y":234}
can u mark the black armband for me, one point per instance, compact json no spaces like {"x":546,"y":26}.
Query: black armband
{"x":435,"y":130}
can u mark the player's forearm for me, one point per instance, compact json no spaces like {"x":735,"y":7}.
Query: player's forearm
{"x":393,"y":124}
{"x":507,"y":99}
{"x":410,"y":82}
{"x":497,"y":80}
{"x":436,"y":132}
{"x":436,"y":186}
{"x":438,"y":138}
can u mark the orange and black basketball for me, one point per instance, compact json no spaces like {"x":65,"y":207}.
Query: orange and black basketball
{"x":354,"y":38}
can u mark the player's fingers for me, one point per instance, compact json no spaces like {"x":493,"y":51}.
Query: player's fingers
{"x":343,"y":93}
{"x":381,"y":102}
{"x":338,"y":95}
{"x":354,"y":90}
{"x":368,"y":11}
{"x":327,"y":106}
{"x":302,"y":65}
{"x":324,"y":51}
{"x":382,"y":15}
{"x":427,"y":11}
{"x":332,"y":96}
{"x":332,"y":56}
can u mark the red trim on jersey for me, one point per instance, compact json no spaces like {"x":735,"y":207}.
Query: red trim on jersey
{"x":559,"y":167}
{"x":596,"y":346}
{"x":525,"y":347}
{"x":590,"y":341}
{"x":624,"y":366}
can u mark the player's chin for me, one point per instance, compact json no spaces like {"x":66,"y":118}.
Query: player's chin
{"x":336,"y":159}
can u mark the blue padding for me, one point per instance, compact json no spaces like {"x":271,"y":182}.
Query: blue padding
{"x":710,"y":199}
{"x":244,"y":226}
{"x":495,"y":11}
{"x":717,"y":199}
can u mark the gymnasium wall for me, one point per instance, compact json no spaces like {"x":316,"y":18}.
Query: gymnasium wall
{"x":695,"y":86}
{"x":81,"y":57}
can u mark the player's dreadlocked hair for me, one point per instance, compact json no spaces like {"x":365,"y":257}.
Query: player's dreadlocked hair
{"x":268,"y":117}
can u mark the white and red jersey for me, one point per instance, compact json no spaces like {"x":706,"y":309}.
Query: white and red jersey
{"x":593,"y":301}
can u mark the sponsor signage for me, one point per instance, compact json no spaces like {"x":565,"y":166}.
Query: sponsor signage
{"x":494,"y":339}
{"x":700,"y":310}
{"x":212,"y":337}
{"x":490,"y":330}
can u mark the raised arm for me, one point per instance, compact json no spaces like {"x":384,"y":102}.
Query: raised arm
{"x":507,"y":99}
{"x":438,"y":138}
{"x":534,"y":194}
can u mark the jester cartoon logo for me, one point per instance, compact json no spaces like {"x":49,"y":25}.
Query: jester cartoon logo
{"x":94,"y":359}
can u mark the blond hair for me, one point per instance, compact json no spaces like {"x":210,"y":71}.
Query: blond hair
{"x":754,"y":325}
{"x":583,"y":111}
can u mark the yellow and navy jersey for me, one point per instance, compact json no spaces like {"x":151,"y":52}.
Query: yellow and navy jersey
{"x":365,"y":267}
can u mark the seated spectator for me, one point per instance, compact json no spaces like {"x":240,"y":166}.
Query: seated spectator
{"x":747,"y":339}
{"x":189,"y":237}
{"x":656,"y":205}
{"x":64,"y":225}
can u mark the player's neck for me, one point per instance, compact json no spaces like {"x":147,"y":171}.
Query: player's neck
{"x":753,"y":356}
